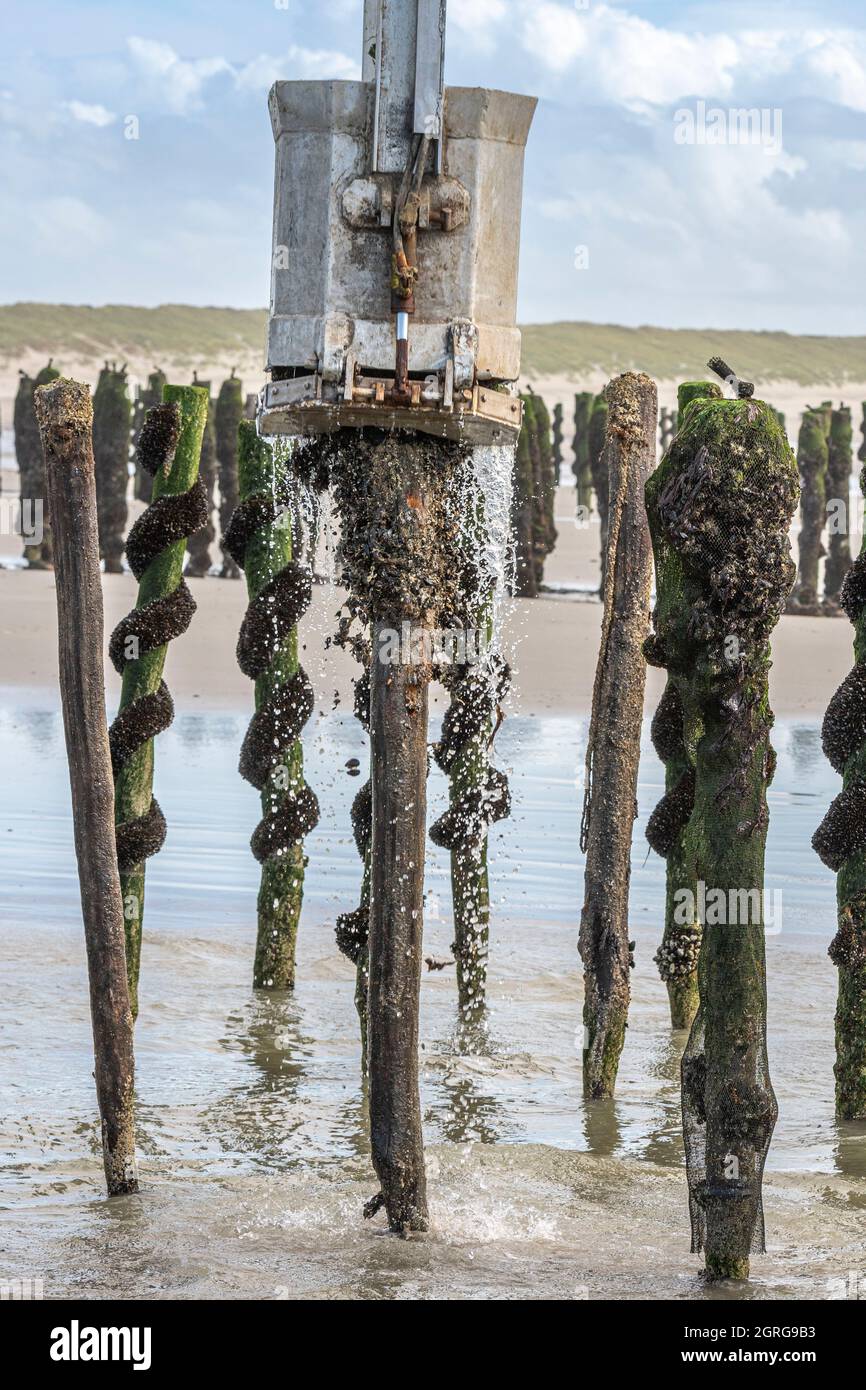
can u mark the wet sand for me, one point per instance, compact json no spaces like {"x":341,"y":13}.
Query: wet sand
{"x":551,"y":641}
{"x":252,"y":1134}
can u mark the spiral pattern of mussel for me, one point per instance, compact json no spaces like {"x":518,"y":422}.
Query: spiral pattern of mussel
{"x":671,"y":815}
{"x":677,"y":956}
{"x":842,"y":832}
{"x":277,"y":724}
{"x":166,"y":521}
{"x":353,"y":928}
{"x":476,"y":693}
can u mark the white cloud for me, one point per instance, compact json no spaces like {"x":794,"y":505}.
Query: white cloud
{"x":180,"y":81}
{"x":477,"y":20}
{"x":91,"y":115}
{"x":261,"y":72}
{"x":630,"y":61}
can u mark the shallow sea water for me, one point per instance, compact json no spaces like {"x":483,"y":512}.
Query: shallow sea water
{"x":253,"y":1151}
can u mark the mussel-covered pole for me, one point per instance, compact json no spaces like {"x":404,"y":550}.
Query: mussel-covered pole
{"x":200,"y":542}
{"x":613,"y":745}
{"x":838,"y":482}
{"x":168,"y":449}
{"x":720,"y":507}
{"x":259,"y":539}
{"x":841,"y":843}
{"x":582,"y":471}
{"x":478,"y":797}
{"x":112,"y":424}
{"x":31,"y":469}
{"x":392,"y":492}
{"x":228,"y":414}
{"x":65,"y":417}
{"x":677,"y":957}
{"x":812,"y":464}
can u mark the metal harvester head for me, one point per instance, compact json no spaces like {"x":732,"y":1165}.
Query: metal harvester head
{"x":395,"y":247}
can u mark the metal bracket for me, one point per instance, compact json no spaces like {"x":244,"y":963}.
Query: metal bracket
{"x":368,"y":203}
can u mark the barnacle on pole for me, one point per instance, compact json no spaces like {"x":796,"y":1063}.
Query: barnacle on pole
{"x":168,"y":449}
{"x":112,"y":421}
{"x":720,"y":506}
{"x":677,"y":956}
{"x":259,"y":540}
{"x":840,"y":841}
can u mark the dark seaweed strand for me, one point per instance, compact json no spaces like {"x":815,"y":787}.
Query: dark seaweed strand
{"x":277,"y":724}
{"x":164,"y":523}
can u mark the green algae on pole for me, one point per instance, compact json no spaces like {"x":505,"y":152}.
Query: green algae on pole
{"x":613,"y":743}
{"x":65,"y":417}
{"x":812,"y":455}
{"x":259,"y":539}
{"x":228,"y":414}
{"x":677,"y":957}
{"x":839,"y":464}
{"x":169,"y":449}
{"x":112,"y":424}
{"x":840,"y":841}
{"x":720,"y":506}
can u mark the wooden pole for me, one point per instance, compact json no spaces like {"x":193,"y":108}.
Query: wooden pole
{"x":169,"y":449}
{"x":65,"y":416}
{"x":613,"y":748}
{"x":720,"y":508}
{"x":398,"y":732}
{"x":259,"y":540}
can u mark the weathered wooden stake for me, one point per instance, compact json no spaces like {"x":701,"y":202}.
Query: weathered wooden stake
{"x":65,"y":416}
{"x":613,"y":746}
{"x":720,"y":507}
{"x":398,"y":734}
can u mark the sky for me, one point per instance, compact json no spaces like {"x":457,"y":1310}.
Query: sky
{"x":644,"y":202}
